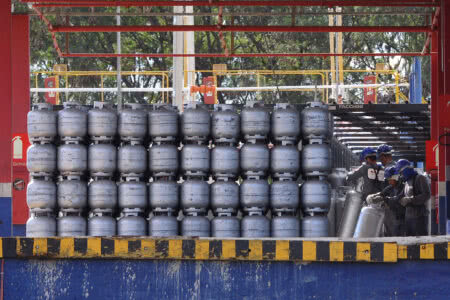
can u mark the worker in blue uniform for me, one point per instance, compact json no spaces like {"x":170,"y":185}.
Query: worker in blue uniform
{"x":394,"y":213}
{"x":369,"y":171}
{"x":416,"y":193}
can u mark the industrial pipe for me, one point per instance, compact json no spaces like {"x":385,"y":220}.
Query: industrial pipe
{"x":219,"y":89}
{"x":162,"y":55}
{"x":323,"y":3}
{"x":231,"y":28}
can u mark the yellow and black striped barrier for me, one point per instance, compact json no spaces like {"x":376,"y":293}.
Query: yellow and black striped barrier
{"x":217,"y":249}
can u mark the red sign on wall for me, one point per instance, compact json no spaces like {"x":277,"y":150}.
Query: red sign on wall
{"x":209,"y":96}
{"x":20,"y":144}
{"x":431,"y":155}
{"x":50,"y":97}
{"x":370,"y":94}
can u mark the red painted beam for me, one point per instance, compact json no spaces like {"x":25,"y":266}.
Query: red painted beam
{"x":231,"y":28}
{"x":162,"y":55}
{"x":21,"y":101}
{"x":434,"y":25}
{"x":323,"y":3}
{"x":6,"y":92}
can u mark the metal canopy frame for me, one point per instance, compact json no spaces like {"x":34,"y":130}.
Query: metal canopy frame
{"x":43,"y":8}
{"x":405,"y":127}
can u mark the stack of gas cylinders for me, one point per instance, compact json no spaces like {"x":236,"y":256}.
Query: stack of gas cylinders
{"x":220,"y":171}
{"x":317,"y":128}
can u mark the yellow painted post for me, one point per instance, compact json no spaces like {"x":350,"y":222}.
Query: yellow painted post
{"x":57,"y":86}
{"x":397,"y":89}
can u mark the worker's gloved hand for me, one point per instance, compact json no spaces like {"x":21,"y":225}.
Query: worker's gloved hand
{"x":374,"y":198}
{"x":405,"y":201}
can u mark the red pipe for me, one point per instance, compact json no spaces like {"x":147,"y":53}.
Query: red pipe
{"x":50,"y":28}
{"x":323,"y":3}
{"x":162,"y":55}
{"x":434,"y":25}
{"x":231,"y":28}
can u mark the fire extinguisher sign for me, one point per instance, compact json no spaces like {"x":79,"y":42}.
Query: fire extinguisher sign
{"x":20,"y":145}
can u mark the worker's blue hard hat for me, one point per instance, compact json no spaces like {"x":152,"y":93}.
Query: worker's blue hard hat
{"x":391,"y":173}
{"x":402,"y":164}
{"x":384,"y":149}
{"x":367,"y":152}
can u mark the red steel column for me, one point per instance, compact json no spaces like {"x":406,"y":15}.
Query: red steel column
{"x":5,"y":117}
{"x":444,"y":120}
{"x":21,"y":106}
{"x":434,"y":128}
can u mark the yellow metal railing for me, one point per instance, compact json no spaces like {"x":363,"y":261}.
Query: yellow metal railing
{"x":261,"y":75}
{"x":102,"y":74}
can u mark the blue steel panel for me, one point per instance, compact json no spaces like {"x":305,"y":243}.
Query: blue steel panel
{"x":19,"y":229}
{"x":5,"y":216}
{"x":126,"y":279}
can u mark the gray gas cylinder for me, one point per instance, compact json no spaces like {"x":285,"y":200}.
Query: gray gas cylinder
{"x":255,"y":226}
{"x":72,"y":194}
{"x":41,"y":226}
{"x":195,"y":195}
{"x":316,"y":159}
{"x":132,"y":159}
{"x":337,"y":177}
{"x":163,"y":226}
{"x":101,"y":225}
{"x":41,"y":158}
{"x":255,"y":159}
{"x":164,"y":195}
{"x":163,"y":160}
{"x":131,"y":225}
{"x":225,"y":161}
{"x":315,"y":226}
{"x":226,"y":125}
{"x":225,"y":196}
{"x":332,"y":214}
{"x":41,"y":194}
{"x":352,"y":208}
{"x":225,"y":226}
{"x":316,"y":196}
{"x":370,"y":222}
{"x":195,"y":160}
{"x":255,"y":121}
{"x":102,"y":195}
{"x":285,"y":226}
{"x":195,"y":226}
{"x":72,"y":121}
{"x":195,"y":123}
{"x":340,"y":204}
{"x":102,"y":159}
{"x":42,"y":123}
{"x":285,"y":122}
{"x":132,"y":194}
{"x":254,"y":195}
{"x":72,"y":159}
{"x":316,"y":121}
{"x":72,"y":226}
{"x":102,"y":122}
{"x":284,"y":161}
{"x":132,"y":124}
{"x":284,"y":196}
{"x":163,"y":123}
